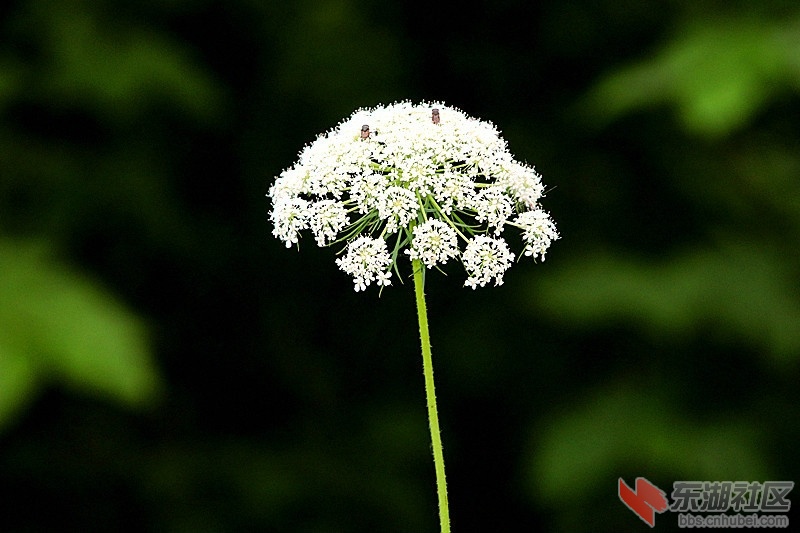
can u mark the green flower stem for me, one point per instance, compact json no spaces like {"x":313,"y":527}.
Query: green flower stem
{"x":430,"y":394}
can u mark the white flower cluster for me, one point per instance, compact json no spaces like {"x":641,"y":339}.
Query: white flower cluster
{"x":367,"y":260}
{"x":420,"y":175}
{"x":434,"y":242}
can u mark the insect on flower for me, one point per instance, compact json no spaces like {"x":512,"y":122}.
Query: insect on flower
{"x":365,"y":131}
{"x":435,"y":115}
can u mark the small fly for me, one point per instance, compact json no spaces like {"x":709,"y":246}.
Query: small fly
{"x":435,"y":115}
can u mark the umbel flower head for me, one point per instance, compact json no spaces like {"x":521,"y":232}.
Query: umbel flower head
{"x":422,"y":180}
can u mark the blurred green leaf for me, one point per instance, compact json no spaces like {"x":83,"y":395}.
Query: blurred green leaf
{"x":718,"y":75}
{"x":606,"y":433}
{"x":747,"y":290}
{"x":95,"y":62}
{"x":18,"y":378}
{"x":55,"y":325}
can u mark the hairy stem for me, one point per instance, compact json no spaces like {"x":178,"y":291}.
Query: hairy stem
{"x":430,"y":394}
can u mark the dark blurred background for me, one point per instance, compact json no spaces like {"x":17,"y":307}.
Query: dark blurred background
{"x":166,"y":365}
